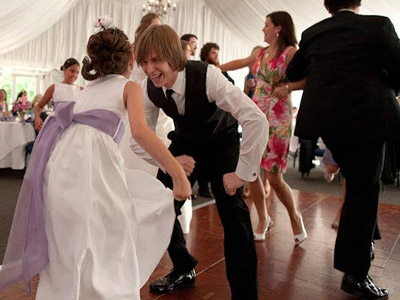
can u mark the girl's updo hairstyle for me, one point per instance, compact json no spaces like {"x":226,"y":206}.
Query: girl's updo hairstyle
{"x":69,"y":62}
{"x":109,"y":52}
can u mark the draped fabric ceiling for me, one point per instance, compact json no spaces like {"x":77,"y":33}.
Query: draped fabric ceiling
{"x":41,"y":34}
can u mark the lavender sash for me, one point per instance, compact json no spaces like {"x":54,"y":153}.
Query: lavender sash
{"x":56,"y":103}
{"x":27,"y":249}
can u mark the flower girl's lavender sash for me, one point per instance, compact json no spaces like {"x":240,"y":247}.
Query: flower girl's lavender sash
{"x":56,"y":103}
{"x":27,"y":249}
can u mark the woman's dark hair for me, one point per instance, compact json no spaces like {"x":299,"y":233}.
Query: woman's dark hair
{"x":5,"y":93}
{"x":188,"y":36}
{"x":334,"y":5}
{"x":145,"y":22}
{"x":109,"y":52}
{"x":206,"y":49}
{"x":287,"y":35}
{"x":69,"y":62}
{"x":20,"y":94}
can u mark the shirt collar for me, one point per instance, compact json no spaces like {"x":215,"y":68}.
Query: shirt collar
{"x":347,"y":9}
{"x":180,"y":82}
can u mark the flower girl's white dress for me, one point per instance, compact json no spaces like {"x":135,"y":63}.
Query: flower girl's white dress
{"x":107,"y":227}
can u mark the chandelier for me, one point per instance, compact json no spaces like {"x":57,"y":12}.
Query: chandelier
{"x":159,"y":7}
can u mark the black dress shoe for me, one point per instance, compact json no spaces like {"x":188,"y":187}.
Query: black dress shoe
{"x":173,"y":281}
{"x":206,"y":193}
{"x":364,"y":288}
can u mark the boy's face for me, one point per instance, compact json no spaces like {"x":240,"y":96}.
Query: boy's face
{"x":188,"y":51}
{"x":159,"y":71}
{"x":193,"y":45}
{"x":212,"y":57}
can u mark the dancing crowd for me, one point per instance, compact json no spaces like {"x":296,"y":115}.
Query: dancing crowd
{"x":83,"y":221}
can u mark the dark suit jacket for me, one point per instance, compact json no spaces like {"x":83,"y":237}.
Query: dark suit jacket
{"x":352,"y":64}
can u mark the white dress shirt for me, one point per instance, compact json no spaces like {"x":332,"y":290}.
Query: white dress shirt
{"x":228,"y":98}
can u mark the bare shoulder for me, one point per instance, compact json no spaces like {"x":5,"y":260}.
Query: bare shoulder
{"x":291,"y":50}
{"x":51,"y":88}
{"x":256,"y":53}
{"x":132,"y":89}
{"x":132,"y":86}
{"x":290,"y":53}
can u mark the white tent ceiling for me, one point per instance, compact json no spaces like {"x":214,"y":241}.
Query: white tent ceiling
{"x":41,"y":34}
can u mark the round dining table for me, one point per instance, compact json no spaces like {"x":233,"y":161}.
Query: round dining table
{"x":14,"y":136}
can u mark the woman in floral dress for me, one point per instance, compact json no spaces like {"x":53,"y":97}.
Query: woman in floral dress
{"x":272,"y":95}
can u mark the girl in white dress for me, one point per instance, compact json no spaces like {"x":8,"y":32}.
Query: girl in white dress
{"x":105,"y":230}
{"x":62,"y":91}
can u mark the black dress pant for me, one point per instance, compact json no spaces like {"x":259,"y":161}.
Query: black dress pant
{"x":216,"y":157}
{"x":362,"y":169}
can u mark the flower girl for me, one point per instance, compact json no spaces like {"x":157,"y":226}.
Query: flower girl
{"x":61,"y":91}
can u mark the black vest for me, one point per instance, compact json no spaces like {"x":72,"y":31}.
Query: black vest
{"x":202,"y":120}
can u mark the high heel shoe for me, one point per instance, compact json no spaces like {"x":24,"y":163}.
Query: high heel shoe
{"x":299,"y":238}
{"x":259,"y":237}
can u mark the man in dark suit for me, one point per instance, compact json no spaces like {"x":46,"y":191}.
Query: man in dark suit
{"x":352,"y":65}
{"x":206,"y":110}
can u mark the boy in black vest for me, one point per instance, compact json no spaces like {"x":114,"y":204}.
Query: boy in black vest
{"x":206,"y":109}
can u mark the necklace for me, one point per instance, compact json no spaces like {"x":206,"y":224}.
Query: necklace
{"x":268,"y":51}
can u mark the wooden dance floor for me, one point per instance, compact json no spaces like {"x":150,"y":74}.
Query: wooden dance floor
{"x":286,"y":272}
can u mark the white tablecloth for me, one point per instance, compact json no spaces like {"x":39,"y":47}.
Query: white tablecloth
{"x":13,"y":138}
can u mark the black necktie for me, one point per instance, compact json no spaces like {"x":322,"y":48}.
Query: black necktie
{"x":170,"y":105}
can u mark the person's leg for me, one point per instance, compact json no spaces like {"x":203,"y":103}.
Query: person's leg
{"x":204,"y":189}
{"x":330,"y":166}
{"x":183,"y":262}
{"x":336,"y":220}
{"x":274,"y":162}
{"x":353,"y":251}
{"x":257,"y":193}
{"x":246,"y":190}
{"x":362,"y":170}
{"x":239,"y":247}
{"x":329,"y":172}
{"x":285,"y":195}
{"x":267,"y":189}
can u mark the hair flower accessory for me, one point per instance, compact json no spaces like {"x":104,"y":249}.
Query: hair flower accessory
{"x":103,"y":23}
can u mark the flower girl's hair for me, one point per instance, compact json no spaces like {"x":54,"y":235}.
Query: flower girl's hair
{"x":109,"y":51}
{"x":68,"y":63}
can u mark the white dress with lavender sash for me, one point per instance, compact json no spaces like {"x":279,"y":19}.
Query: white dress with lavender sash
{"x":64,"y":92}
{"x":107,"y":227}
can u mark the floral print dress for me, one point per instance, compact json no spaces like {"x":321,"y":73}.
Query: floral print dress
{"x":277,"y":110}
